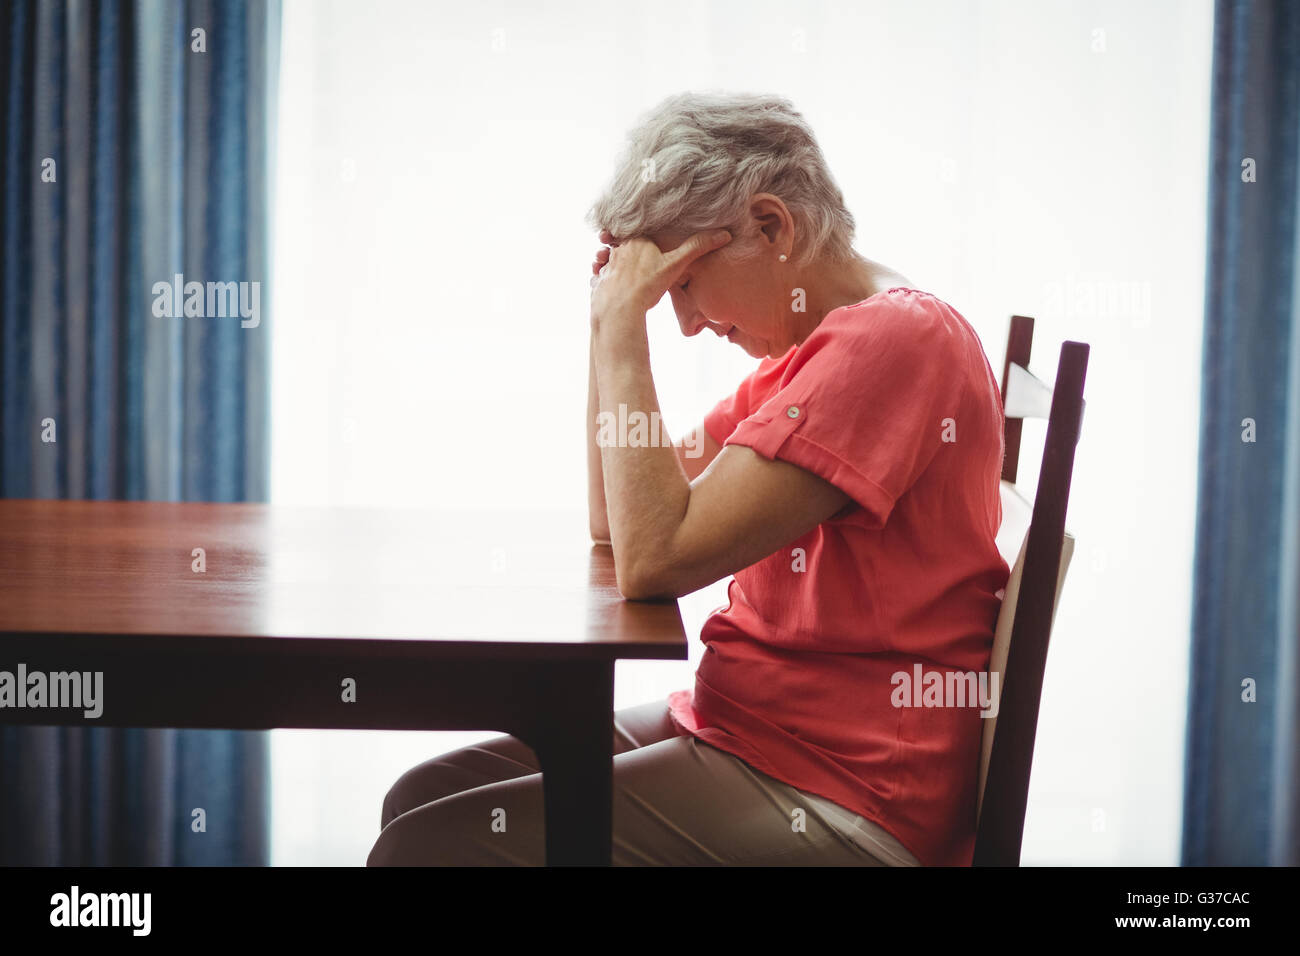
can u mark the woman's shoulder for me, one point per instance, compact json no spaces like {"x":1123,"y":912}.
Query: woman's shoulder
{"x":899,"y":328}
{"x":898,"y":312}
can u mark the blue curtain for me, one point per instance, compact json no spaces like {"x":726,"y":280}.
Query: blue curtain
{"x":134,"y":149}
{"x":1242,"y":799}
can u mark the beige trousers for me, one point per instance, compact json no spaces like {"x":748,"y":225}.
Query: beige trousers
{"x":677,"y":802}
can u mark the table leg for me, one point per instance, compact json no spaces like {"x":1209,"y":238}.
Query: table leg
{"x":574,"y":743}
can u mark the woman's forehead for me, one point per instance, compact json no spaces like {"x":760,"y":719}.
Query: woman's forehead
{"x":667,"y":241}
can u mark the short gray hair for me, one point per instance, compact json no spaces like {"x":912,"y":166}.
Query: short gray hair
{"x":694,"y":162}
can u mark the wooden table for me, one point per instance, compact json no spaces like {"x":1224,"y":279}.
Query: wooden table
{"x":444,"y":620}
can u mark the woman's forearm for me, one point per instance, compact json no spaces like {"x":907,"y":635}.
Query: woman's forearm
{"x":646,"y":488}
{"x":598,"y":515}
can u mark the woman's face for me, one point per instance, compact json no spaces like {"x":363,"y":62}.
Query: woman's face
{"x":732,"y":297}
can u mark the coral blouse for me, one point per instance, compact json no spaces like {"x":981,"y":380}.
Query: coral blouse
{"x":893,"y":401}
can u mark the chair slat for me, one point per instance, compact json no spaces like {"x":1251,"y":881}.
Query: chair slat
{"x":1027,"y":395}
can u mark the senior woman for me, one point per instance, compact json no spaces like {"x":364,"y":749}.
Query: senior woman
{"x":850,"y":485}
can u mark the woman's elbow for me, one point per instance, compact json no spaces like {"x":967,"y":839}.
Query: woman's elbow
{"x":639,"y":582}
{"x":598,"y":525}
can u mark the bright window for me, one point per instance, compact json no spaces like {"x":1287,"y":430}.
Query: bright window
{"x":430,"y":330}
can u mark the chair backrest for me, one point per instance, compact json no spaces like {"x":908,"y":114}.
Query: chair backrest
{"x":1013,"y":537}
{"x":1037,"y":548}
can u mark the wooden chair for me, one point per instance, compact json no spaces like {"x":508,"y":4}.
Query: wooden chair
{"x":1037,"y":548}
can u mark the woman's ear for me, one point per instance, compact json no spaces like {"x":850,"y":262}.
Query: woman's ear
{"x":775,"y":224}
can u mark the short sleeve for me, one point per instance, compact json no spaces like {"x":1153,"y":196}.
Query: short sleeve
{"x":864,"y":400}
{"x":723,"y":418}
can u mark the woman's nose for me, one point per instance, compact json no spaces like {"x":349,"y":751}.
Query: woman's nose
{"x":694,"y":324}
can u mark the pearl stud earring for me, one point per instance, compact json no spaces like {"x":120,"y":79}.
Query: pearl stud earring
{"x":783,"y":257}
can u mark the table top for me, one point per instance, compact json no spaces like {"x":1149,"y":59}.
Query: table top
{"x":529,"y":583}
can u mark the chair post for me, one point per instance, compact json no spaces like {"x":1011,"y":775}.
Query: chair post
{"x":1020,"y":343}
{"x":1006,"y":791}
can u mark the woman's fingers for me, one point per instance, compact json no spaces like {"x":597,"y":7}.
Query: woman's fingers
{"x":602,"y":257}
{"x":697,"y":245}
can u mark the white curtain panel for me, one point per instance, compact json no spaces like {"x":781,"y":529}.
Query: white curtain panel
{"x":435,"y":161}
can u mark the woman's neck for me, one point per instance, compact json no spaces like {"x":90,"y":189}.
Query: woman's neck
{"x":833,"y":285}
